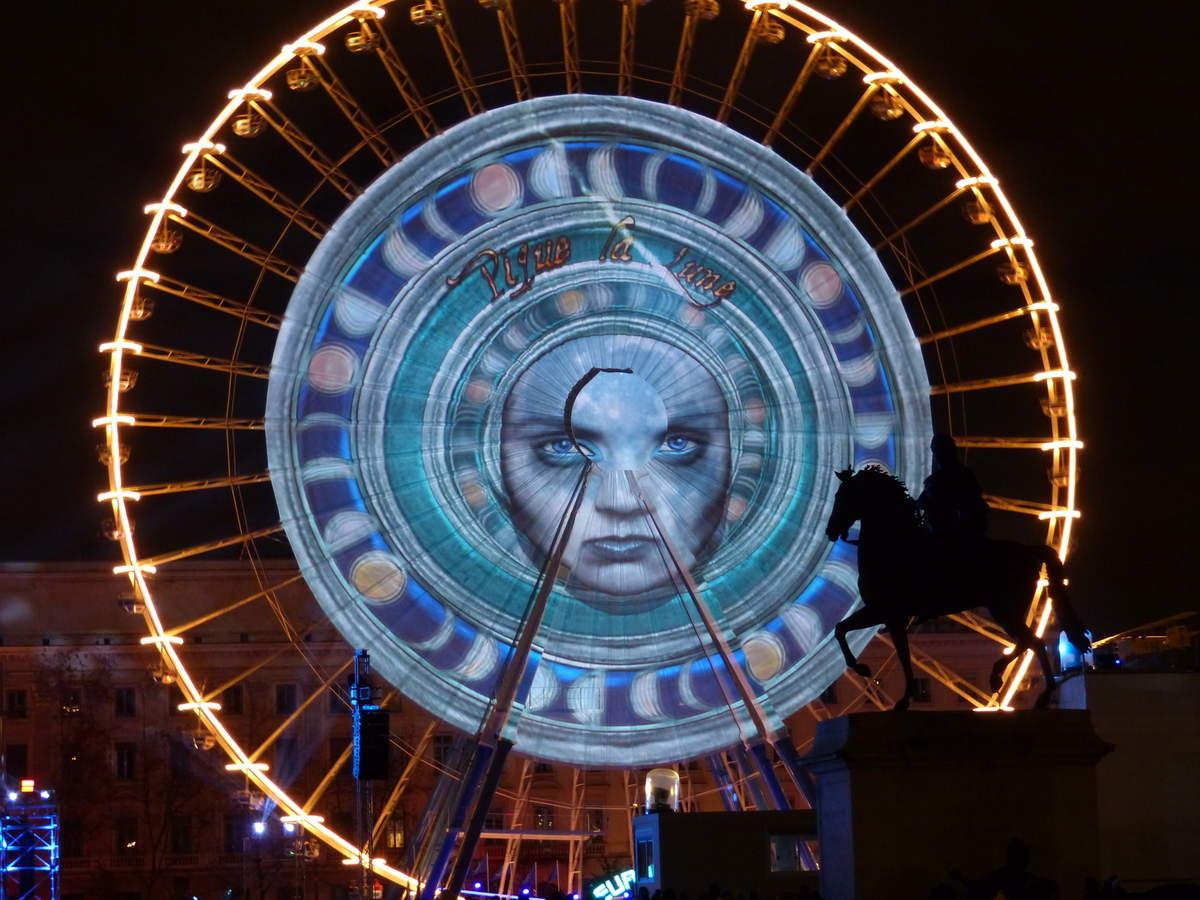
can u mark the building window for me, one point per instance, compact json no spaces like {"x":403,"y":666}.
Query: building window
{"x":233,"y":701}
{"x":181,"y":834}
{"x":543,"y":817}
{"x":338,"y":745}
{"x":70,"y":760}
{"x":70,"y":838}
{"x":177,"y":699}
{"x":16,"y":760}
{"x":543,"y":769}
{"x":829,"y":695}
{"x":17,"y":704}
{"x":593,"y":821}
{"x":786,"y":852}
{"x":395,"y":833}
{"x":235,"y":833}
{"x":125,"y":701}
{"x":442,"y":744}
{"x":285,"y":699}
{"x":71,"y":701}
{"x":923,"y":691}
{"x":126,"y":761}
{"x":493,"y":821}
{"x":126,"y":832}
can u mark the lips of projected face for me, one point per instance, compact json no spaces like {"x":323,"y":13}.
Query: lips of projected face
{"x":611,"y":548}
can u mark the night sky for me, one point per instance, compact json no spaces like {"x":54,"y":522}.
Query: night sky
{"x":1080,"y":112}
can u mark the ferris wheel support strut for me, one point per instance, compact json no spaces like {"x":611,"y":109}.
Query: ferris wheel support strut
{"x":492,"y":748}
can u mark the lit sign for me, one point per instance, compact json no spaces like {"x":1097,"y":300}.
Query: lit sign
{"x":615,"y":886}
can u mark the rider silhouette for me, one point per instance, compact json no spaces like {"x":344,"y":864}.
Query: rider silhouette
{"x":952,"y":500}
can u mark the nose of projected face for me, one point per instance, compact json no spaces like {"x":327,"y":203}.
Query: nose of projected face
{"x":619,"y":420}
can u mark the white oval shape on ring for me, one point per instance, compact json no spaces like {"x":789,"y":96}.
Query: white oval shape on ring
{"x":332,"y":368}
{"x":378,"y":577}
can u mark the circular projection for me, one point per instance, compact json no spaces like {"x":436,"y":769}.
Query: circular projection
{"x":604,"y":284}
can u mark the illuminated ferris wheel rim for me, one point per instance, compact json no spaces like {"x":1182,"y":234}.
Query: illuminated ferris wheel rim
{"x":822,"y":32}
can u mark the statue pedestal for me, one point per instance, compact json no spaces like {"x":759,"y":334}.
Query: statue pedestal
{"x":904,"y":798}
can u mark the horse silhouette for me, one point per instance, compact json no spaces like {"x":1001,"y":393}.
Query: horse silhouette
{"x":905,"y":574}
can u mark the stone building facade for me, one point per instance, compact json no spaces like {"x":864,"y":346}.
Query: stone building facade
{"x":147,"y":809}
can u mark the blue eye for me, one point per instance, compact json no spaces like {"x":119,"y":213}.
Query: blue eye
{"x":678,"y":445}
{"x":561,"y":445}
{"x":558,"y":450}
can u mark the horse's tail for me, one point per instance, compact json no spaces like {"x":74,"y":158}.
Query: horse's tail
{"x":1063,"y":610}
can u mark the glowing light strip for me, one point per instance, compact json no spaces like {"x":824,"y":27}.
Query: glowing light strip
{"x":1064,"y":444}
{"x":118,"y":346}
{"x":121,"y":494}
{"x":247,"y":767}
{"x":1064,"y":374}
{"x":160,"y":640}
{"x":1059,"y":514}
{"x":199,"y":706}
{"x":883,"y":78}
{"x":363,"y":861}
{"x":249,"y":92}
{"x":822,"y":37}
{"x":1019,"y":240}
{"x":165,"y":206}
{"x":137,"y":274}
{"x":362,"y":6}
{"x":194,"y":146}
{"x":298,"y":820}
{"x":936,"y":125}
{"x":109,"y":421}
{"x":976,"y":181}
{"x":300,"y":48}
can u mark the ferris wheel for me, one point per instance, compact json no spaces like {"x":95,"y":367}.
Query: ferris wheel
{"x":540,"y":353}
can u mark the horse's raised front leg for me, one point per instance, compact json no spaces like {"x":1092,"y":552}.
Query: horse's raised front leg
{"x":898,"y":632}
{"x":863,"y":618}
{"x":1027,"y":640}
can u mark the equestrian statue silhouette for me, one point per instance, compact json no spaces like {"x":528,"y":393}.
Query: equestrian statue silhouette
{"x":910,"y":572}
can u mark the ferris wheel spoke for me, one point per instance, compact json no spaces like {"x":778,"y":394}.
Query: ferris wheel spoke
{"x":986,"y":322}
{"x":229,"y":241}
{"x":312,"y":60}
{"x":202,"y":484}
{"x":237,"y":679}
{"x":303,"y":144}
{"x":151,"y":420}
{"x":570,"y":44}
{"x":402,"y":782}
{"x":220,"y":158}
{"x":292,"y":717}
{"x":237,"y":604}
{"x":762,"y":28}
{"x":206,"y":298}
{"x":695,"y":11}
{"x":372,"y":35}
{"x":942,"y":673}
{"x":1016,"y":443}
{"x":843,"y":126}
{"x":1001,"y":381}
{"x":819,"y":49}
{"x":209,"y":546}
{"x":950,"y":270}
{"x":511,"y":38}
{"x":882,"y":173}
{"x":335,"y":767}
{"x":202,"y":361}
{"x":626,"y":59}
{"x":981,"y":625}
{"x":1041,"y":511}
{"x":434,"y":13}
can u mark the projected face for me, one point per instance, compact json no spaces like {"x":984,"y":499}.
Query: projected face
{"x":665,"y":421}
